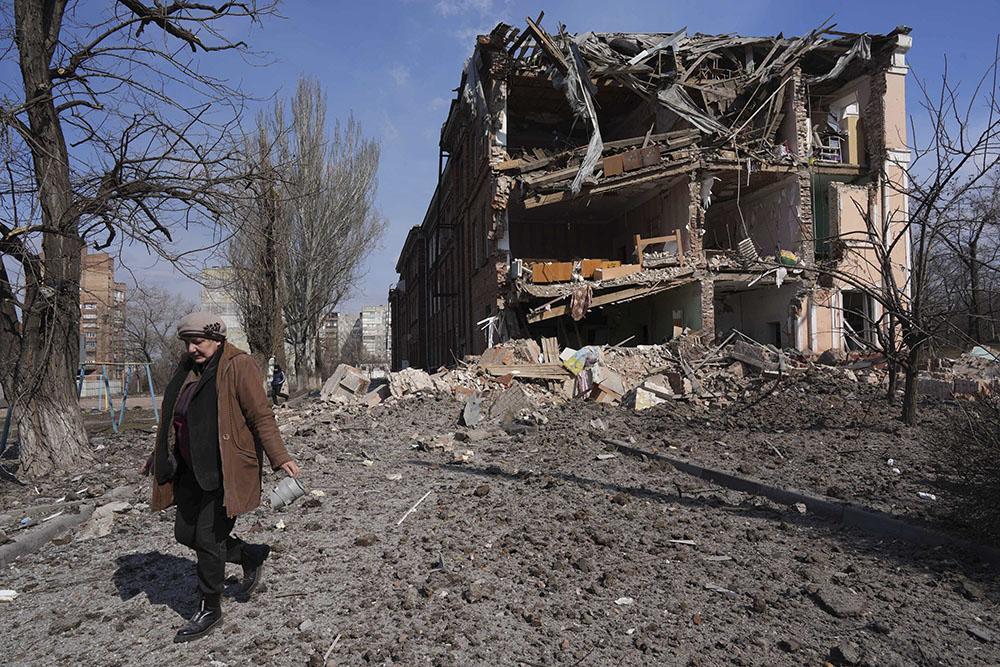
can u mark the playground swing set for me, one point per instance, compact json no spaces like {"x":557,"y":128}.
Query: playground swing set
{"x":104,"y":397}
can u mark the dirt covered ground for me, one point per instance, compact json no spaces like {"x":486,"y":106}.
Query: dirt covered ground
{"x":537,"y":545}
{"x":817,"y":432}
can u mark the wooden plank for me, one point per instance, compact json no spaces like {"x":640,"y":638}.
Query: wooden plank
{"x":588,"y":266}
{"x":517,"y":44}
{"x":550,"y":350}
{"x":603,"y":300}
{"x":548,"y":46}
{"x":509,"y":165}
{"x":551,"y":177}
{"x":555,"y":197}
{"x":542,"y":200}
{"x":535,"y":371}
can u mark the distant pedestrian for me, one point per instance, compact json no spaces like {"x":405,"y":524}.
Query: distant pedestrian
{"x":215,"y":427}
{"x":277,"y":380}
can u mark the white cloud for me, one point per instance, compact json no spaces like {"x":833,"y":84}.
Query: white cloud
{"x":455,"y":7}
{"x":400,"y":74}
{"x":439,"y":103}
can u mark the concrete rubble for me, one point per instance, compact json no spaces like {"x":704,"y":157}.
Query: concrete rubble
{"x":519,"y":375}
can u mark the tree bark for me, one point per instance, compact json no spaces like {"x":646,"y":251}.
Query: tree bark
{"x":50,"y":424}
{"x":975,"y":322}
{"x":910,"y":395}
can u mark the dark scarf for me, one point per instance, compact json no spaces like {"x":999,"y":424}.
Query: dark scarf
{"x":201,"y":419}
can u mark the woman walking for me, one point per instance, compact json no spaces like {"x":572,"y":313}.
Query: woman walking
{"x":215,"y":426}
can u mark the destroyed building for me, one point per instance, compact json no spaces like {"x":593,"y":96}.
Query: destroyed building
{"x":608,"y":187}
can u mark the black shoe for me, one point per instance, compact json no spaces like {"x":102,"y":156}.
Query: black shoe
{"x":204,"y":620}
{"x":253,"y":568}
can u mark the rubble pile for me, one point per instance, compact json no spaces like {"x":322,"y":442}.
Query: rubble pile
{"x":640,"y":377}
{"x":546,"y":374}
{"x":975,"y":373}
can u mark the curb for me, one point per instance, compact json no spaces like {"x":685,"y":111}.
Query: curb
{"x":871,"y":521}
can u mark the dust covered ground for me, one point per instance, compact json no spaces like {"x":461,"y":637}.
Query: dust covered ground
{"x":544,"y":547}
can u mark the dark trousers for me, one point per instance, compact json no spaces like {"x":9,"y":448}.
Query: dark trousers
{"x":201,"y":523}
{"x":276,"y":392}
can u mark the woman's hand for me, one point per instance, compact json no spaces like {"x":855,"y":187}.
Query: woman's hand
{"x":147,"y":466}
{"x":291,"y":468}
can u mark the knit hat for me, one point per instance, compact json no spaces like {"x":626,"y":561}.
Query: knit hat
{"x":202,"y":325}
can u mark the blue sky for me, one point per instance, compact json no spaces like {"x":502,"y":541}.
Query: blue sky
{"x":394,"y":63}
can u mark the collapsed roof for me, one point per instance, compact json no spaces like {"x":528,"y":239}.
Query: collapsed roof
{"x":724,"y":94}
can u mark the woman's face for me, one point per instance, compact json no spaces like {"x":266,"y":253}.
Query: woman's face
{"x":201,"y":349}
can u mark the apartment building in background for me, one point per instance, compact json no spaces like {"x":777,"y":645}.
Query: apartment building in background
{"x":216,"y":297}
{"x":102,"y":310}
{"x":362,"y":338}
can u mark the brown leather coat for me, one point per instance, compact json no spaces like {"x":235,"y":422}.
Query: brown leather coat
{"x":247,"y":430}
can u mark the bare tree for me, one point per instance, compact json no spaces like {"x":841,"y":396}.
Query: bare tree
{"x":112,"y":136}
{"x":150,"y":318}
{"x":257,"y":247}
{"x":324,"y":225}
{"x":953,"y":160}
{"x":968,"y":263}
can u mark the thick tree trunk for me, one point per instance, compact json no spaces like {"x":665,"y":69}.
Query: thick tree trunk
{"x":910,"y":394}
{"x":52,"y":437}
{"x":50,"y":425}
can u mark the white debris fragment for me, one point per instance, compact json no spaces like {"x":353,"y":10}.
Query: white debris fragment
{"x":280,"y":525}
{"x":462,"y":456}
{"x":102,"y":521}
{"x":317,"y":493}
{"x":926,"y":496}
{"x":801,"y":507}
{"x":7,"y":595}
{"x":624,"y":601}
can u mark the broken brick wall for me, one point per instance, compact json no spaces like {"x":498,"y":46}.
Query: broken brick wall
{"x":465,"y":288}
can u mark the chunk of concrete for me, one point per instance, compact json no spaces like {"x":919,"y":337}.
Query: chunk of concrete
{"x":410,"y":381}
{"x":346,"y":382}
{"x":509,"y":402}
{"x":472,"y":414}
{"x":645,"y":399}
{"x":376,"y":395}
